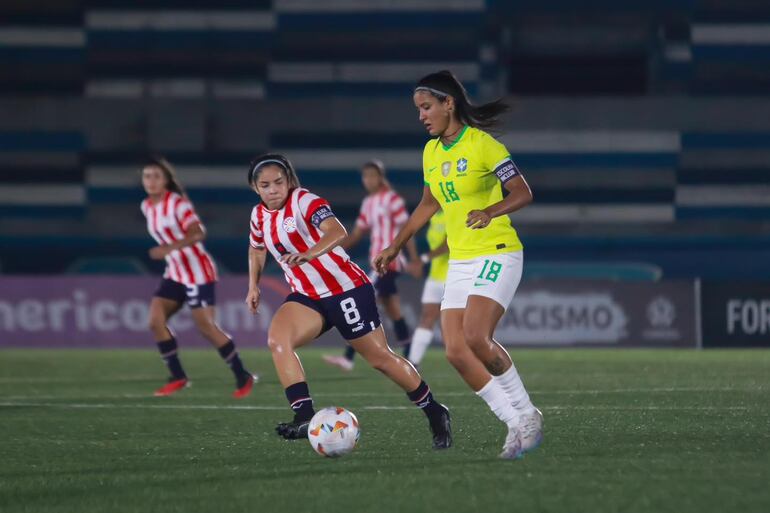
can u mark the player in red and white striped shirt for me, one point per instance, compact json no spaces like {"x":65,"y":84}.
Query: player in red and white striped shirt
{"x":190,"y":276}
{"x":328,"y":290}
{"x":383,"y":214}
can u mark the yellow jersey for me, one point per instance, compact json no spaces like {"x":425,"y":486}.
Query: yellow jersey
{"x":439,"y":266}
{"x":468,"y":175}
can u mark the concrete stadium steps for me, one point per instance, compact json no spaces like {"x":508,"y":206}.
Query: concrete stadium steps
{"x":41,"y":174}
{"x":724,"y":175}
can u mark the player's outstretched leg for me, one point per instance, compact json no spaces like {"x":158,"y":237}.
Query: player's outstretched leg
{"x":478,"y":378}
{"x":293,"y":325}
{"x":478,"y":334}
{"x":423,"y":334}
{"x":374,"y":349}
{"x":205,"y":321}
{"x":161,"y":310}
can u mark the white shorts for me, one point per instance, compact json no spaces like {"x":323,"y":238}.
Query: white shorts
{"x":495,"y":276}
{"x":432,"y":292}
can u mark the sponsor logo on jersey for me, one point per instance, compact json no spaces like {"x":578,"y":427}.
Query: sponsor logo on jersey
{"x":446,"y":167}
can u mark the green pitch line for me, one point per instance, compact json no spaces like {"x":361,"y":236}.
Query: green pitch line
{"x":626,"y":430}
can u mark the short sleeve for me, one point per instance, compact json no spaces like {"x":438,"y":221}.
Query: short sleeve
{"x":362,"y":221}
{"x":398,"y":210}
{"x":313,"y":208}
{"x":185,"y":214}
{"x":256,"y":237}
{"x":497,"y":159}
{"x":425,"y":163}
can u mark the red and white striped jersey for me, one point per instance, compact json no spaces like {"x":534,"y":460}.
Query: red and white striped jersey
{"x":383,"y":214}
{"x":293,"y":229}
{"x":168,"y":222}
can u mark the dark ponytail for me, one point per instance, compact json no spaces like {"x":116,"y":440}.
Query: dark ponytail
{"x":273,"y":159}
{"x":172,"y":180}
{"x":443,"y":83}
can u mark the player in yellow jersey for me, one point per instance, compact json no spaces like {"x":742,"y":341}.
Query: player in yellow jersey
{"x":465,"y":171}
{"x":433,"y":290}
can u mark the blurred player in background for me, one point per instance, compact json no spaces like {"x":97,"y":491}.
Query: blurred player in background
{"x":190,"y":276}
{"x":328,"y":290}
{"x":465,"y":171}
{"x":433,"y":290}
{"x":383,"y":214}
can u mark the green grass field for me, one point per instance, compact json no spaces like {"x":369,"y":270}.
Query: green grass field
{"x":626,"y":430}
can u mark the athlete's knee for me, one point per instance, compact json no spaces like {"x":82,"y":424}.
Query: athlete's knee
{"x":475,"y":336}
{"x":275,"y":343}
{"x":458,"y":356}
{"x":279,"y":341}
{"x":157,"y":322}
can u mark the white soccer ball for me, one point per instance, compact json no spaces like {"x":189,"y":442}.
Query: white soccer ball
{"x":333,"y":432}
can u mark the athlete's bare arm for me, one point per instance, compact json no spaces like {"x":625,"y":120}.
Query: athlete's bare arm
{"x":257,"y":258}
{"x":195,"y":233}
{"x":333,"y":234}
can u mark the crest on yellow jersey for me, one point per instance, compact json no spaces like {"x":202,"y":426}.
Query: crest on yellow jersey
{"x":446,"y":167}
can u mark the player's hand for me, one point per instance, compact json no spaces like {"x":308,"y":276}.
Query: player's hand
{"x":478,"y":219}
{"x":383,"y":260}
{"x":414,"y":268}
{"x":159,"y":252}
{"x":295,"y":259}
{"x":252,"y":299}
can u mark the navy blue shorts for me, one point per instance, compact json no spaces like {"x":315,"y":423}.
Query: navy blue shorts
{"x":196,"y":296}
{"x":354,"y":313}
{"x":385,"y":285}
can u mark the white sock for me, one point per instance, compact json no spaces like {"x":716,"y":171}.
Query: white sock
{"x":499,"y":403}
{"x":511,"y":384}
{"x":421,"y":339}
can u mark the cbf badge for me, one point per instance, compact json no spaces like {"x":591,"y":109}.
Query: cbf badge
{"x":446,"y":167}
{"x":462,"y":165}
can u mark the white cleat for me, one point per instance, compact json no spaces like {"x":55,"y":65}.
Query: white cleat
{"x":512,"y":447}
{"x":339,"y":361}
{"x":531,"y":430}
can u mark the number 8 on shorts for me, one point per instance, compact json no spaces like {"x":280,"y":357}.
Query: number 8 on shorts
{"x":348,"y":306}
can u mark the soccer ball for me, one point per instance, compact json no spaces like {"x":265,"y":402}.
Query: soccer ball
{"x":333,"y":432}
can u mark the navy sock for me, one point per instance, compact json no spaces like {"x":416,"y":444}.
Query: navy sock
{"x":300,"y":401}
{"x":423,"y":399}
{"x":401,"y":329}
{"x":231,"y":358}
{"x":168,"y":351}
{"x":350,"y":353}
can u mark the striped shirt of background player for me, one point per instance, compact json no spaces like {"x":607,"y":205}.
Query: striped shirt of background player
{"x":168,"y":222}
{"x":294,"y":229}
{"x":383,"y":213}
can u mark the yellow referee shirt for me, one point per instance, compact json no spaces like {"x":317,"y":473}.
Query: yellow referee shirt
{"x":468,"y":175}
